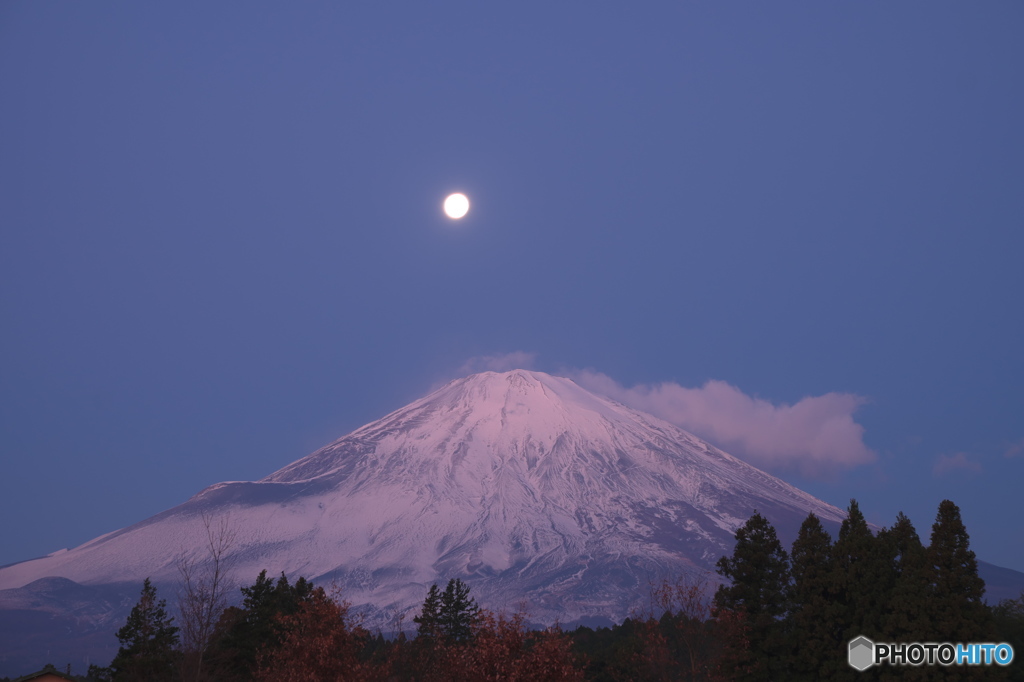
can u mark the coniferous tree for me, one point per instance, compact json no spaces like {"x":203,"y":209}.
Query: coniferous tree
{"x":459,"y":612}
{"x":243,"y":633}
{"x":148,"y":641}
{"x":958,"y":613}
{"x":95,"y":673}
{"x":907,"y":619}
{"x":812,"y":641}
{"x":861,"y":581}
{"x":429,"y":620}
{"x":1008,"y":618}
{"x":447,"y":621}
{"x":759,"y":594}
{"x":955,"y":607}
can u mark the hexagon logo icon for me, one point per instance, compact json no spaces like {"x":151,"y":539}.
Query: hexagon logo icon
{"x":862,"y":653}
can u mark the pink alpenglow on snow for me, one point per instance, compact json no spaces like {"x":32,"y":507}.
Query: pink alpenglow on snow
{"x":525,"y":485}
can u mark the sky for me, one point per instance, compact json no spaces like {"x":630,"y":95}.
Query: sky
{"x":794,"y":229}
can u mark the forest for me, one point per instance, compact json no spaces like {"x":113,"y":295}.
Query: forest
{"x":778,"y":615}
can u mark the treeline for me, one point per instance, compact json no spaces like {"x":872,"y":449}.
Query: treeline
{"x":793,"y":614}
{"x":299,"y":633}
{"x":781,"y":615}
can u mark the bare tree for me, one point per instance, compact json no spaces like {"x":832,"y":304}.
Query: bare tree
{"x":689,"y":603}
{"x":674,"y":634}
{"x":397,"y":618}
{"x":204,"y":590}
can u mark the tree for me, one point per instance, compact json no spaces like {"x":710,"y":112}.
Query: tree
{"x":203,"y":595}
{"x":446,"y":623}
{"x":955,"y":607}
{"x":95,"y":673}
{"x":907,"y":616}
{"x":148,"y":641}
{"x":813,"y":642}
{"x":958,"y":613}
{"x":242,"y":633}
{"x":676,"y":638}
{"x":611,"y":654}
{"x":860,"y":584}
{"x":318,"y":643}
{"x":687,"y":612}
{"x":1008,"y":618}
{"x":907,"y":619}
{"x":459,"y":612}
{"x":759,"y":594}
{"x":429,"y":620}
{"x":503,"y":649}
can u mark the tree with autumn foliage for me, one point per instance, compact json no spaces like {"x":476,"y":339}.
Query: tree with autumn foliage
{"x":319,"y":642}
{"x":242,"y":634}
{"x":501,"y":648}
{"x":676,"y":640}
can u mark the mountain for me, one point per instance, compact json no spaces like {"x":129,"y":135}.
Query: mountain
{"x":526,"y":486}
{"x":523,"y":483}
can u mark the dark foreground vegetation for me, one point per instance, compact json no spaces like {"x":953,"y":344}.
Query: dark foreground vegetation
{"x":783,"y":616}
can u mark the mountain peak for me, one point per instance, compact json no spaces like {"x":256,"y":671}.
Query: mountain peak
{"x":515,"y":386}
{"x":524,"y":484}
{"x":491,"y":414}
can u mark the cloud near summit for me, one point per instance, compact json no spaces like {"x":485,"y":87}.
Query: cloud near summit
{"x":500,"y":362}
{"x":816,"y":436}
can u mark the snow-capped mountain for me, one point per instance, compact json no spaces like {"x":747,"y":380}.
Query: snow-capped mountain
{"x":525,"y":485}
{"x":522,"y":483}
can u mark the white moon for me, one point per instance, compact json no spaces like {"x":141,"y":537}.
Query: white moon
{"x":456,"y":206}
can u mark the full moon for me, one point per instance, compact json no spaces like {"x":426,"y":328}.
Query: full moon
{"x":456,"y":206}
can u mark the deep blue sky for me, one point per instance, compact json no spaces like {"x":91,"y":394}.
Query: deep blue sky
{"x":221,"y":243}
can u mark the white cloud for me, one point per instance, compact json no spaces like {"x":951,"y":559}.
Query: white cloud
{"x":817,"y":435}
{"x":501,"y":362}
{"x":960,"y":461}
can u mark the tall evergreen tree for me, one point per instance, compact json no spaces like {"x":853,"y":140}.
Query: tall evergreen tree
{"x":447,"y":620}
{"x":861,"y":581}
{"x":243,"y":633}
{"x":812,"y":641}
{"x":148,"y":642}
{"x":958,"y":613}
{"x":907,"y":619}
{"x":429,"y":620}
{"x":459,"y":612}
{"x":759,"y":593}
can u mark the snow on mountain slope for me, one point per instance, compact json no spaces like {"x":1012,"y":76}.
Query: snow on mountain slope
{"x":523,"y":484}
